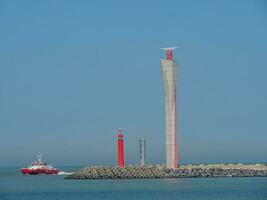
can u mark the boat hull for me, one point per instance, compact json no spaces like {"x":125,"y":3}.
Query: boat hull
{"x":27,"y":171}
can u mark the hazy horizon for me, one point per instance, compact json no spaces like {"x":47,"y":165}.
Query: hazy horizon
{"x":73,"y":73}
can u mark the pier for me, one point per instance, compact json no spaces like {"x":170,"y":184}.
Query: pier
{"x":160,"y":172}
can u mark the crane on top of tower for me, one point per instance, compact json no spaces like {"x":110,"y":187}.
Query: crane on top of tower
{"x":169,"y":51}
{"x":169,"y":48}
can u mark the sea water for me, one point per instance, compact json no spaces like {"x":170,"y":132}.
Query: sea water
{"x":14,"y":185}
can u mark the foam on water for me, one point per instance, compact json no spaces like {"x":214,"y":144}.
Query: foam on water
{"x":64,"y":173}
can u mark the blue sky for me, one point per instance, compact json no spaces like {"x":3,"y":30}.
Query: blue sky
{"x":73,"y":72}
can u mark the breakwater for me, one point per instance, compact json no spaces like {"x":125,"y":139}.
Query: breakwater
{"x":159,"y":171}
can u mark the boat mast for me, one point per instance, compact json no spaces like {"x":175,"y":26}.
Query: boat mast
{"x":39,"y":157}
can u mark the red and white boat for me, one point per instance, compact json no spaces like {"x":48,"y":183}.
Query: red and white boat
{"x":39,"y":167}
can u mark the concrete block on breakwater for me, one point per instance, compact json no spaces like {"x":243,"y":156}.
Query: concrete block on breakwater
{"x":159,"y":171}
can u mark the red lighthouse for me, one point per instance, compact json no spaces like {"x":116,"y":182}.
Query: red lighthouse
{"x":120,"y":149}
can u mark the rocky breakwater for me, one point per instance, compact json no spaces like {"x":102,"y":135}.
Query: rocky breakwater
{"x":159,"y":171}
{"x":127,"y":172}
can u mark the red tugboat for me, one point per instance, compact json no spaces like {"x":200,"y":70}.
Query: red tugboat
{"x":39,"y":167}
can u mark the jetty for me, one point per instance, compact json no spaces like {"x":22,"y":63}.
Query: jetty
{"x":160,"y":171}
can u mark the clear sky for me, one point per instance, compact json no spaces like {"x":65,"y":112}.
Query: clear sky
{"x":73,"y":72}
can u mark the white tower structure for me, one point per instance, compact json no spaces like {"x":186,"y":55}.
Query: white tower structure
{"x":169,"y":72}
{"x":142,"y":144}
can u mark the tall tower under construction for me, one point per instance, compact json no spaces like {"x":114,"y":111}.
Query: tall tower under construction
{"x":169,"y":72}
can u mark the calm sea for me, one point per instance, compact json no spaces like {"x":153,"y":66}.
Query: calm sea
{"x":13,"y":185}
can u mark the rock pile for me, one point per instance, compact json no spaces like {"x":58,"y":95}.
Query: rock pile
{"x":213,"y":173}
{"x":157,"y":171}
{"x":127,"y":172}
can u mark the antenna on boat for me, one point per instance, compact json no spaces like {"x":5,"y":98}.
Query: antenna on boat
{"x":39,"y":156}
